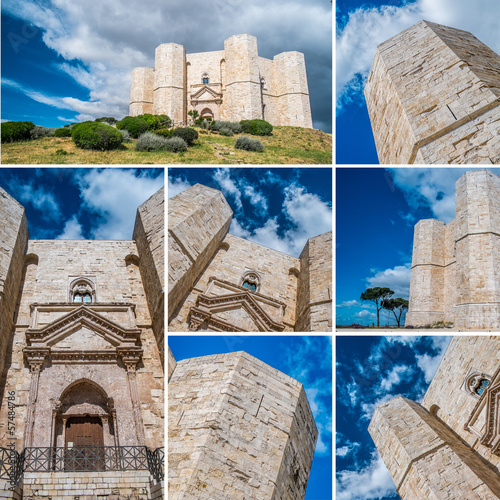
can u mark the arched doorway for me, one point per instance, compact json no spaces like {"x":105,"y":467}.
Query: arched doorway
{"x":207,"y":113}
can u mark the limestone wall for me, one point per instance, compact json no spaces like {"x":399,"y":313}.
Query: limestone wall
{"x":425,"y":458}
{"x":170,"y":82}
{"x":198,"y":220}
{"x":141,"y":91}
{"x":115,"y":485}
{"x":149,"y":235}
{"x":14,"y":233}
{"x":432,"y":95}
{"x":292,"y":91}
{"x":446,"y":391}
{"x":231,"y":261}
{"x":234,"y":81}
{"x":314,"y":294}
{"x":237,"y":429}
{"x":105,"y":262}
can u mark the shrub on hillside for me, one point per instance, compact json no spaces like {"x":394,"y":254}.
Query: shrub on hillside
{"x":256,"y":127}
{"x":164,"y":132}
{"x":188,"y":134}
{"x":134,"y":125}
{"x":176,"y":145}
{"x":217,"y":125}
{"x":155,"y":122}
{"x":126,"y":136}
{"x":96,"y":136}
{"x":150,"y":142}
{"x":249,"y":144}
{"x":63,"y":132}
{"x":16,"y":131}
{"x":40,"y":132}
{"x":226,"y":131}
{"x":106,"y":119}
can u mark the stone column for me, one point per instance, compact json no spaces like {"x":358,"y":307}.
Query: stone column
{"x":131,"y":365}
{"x":35,"y":368}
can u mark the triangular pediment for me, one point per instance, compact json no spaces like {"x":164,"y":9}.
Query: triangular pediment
{"x":82,"y":319}
{"x":84,"y":339}
{"x":206,"y":94}
{"x":233,"y":312}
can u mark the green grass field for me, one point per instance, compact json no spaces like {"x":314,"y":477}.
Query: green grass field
{"x":287,"y":145}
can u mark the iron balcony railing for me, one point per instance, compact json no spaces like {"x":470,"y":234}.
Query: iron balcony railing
{"x":81,"y":459}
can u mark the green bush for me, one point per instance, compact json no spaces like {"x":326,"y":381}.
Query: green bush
{"x":217,"y":125}
{"x":106,"y":119}
{"x":249,"y":144}
{"x":40,"y":132}
{"x":226,"y":131}
{"x":155,"y":122}
{"x":188,"y":134}
{"x":16,"y":131}
{"x":134,"y":125}
{"x":256,"y":127}
{"x":164,"y":132}
{"x":96,"y":136}
{"x":176,"y":145}
{"x":150,"y":142}
{"x":62,"y":132}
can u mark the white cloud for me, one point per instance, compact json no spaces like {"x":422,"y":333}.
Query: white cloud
{"x":228,"y":186}
{"x":372,"y":482}
{"x":397,"y":279}
{"x":115,"y":195}
{"x":428,"y":363}
{"x":176,"y":186}
{"x":38,"y":197}
{"x":364,"y":314}
{"x":350,"y":303}
{"x":395,"y":376}
{"x":72,"y":230}
{"x":348,"y":448}
{"x":366,"y":28}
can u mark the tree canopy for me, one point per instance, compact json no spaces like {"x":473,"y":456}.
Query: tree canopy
{"x":394,"y":305}
{"x":377,"y":295}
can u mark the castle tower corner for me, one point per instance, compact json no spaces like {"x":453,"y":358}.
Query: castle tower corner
{"x":141,"y":91}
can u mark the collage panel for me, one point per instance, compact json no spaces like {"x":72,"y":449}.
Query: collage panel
{"x":417,"y":82}
{"x":81,"y":340}
{"x":195,"y":82}
{"x":250,"y":416}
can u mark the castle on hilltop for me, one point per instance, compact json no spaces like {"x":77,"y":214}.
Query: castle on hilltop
{"x":81,"y":361}
{"x":238,"y":428}
{"x":455,"y":267}
{"x":433,"y":96}
{"x":233,"y":84}
{"x":447,"y":447}
{"x":220,"y":282}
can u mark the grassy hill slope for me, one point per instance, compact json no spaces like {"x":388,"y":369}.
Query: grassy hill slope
{"x":287,"y":145}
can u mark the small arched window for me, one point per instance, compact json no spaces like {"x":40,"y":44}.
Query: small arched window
{"x":251,"y":281}
{"x":82,"y":291}
{"x":263,"y":83}
{"x":205,"y":78}
{"x":476,"y":383}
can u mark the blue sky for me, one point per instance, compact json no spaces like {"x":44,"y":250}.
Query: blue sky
{"x":361,"y":26}
{"x":71,"y":61}
{"x":306,"y":359}
{"x":370,"y":371}
{"x":280,"y":208}
{"x":81,"y":203}
{"x":376,"y":210}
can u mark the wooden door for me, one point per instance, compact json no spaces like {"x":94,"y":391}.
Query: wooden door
{"x":84,"y":431}
{"x":84,"y":442}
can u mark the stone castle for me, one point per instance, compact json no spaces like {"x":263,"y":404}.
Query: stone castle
{"x":238,"y":428}
{"x":81,"y":353}
{"x":233,"y":84}
{"x":447,"y":446}
{"x":220,"y":282}
{"x":433,"y":96}
{"x":455,"y":267}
